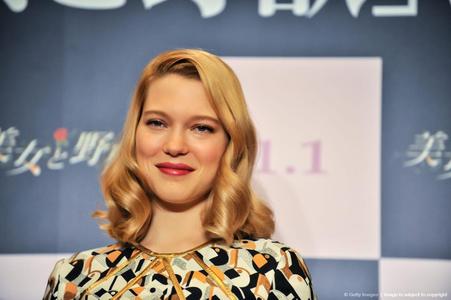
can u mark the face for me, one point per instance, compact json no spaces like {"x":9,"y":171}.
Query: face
{"x":179,"y":140}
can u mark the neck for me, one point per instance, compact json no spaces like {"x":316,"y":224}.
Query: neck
{"x":175,"y":228}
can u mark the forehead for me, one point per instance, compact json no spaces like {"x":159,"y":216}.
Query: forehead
{"x":177,"y":93}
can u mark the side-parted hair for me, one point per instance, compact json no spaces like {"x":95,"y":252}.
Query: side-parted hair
{"x":233,"y":210}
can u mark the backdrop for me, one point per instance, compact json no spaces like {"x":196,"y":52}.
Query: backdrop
{"x":351,"y":100}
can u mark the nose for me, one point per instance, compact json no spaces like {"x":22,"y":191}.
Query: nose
{"x":175,"y":143}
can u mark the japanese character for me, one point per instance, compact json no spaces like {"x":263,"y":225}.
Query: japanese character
{"x":55,"y":162}
{"x":427,"y":148}
{"x":90,"y":147}
{"x":23,"y":163}
{"x":7,"y":143}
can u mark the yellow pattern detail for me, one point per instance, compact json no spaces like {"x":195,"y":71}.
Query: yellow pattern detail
{"x":215,"y":277}
{"x":110,"y":274}
{"x":178,"y":288}
{"x":133,"y":281}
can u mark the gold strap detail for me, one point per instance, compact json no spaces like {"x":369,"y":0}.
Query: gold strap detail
{"x":112,"y":273}
{"x":134,"y":280}
{"x":172,"y":254}
{"x":215,"y":277}
{"x":178,"y":288}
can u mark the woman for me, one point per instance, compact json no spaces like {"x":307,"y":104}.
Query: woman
{"x":179,"y":198}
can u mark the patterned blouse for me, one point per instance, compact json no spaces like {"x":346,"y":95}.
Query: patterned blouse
{"x":248,"y":269}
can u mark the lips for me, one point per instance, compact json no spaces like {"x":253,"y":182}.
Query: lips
{"x":174,"y":168}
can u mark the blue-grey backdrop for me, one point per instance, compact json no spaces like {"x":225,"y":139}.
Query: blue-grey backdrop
{"x":72,"y":67}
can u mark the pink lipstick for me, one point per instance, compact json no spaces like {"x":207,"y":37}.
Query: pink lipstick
{"x":176,"y":169}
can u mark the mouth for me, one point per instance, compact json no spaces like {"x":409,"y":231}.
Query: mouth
{"x":174,"y":169}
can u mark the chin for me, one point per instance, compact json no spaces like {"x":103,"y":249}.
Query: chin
{"x":174,"y":199}
{"x":177,"y":200}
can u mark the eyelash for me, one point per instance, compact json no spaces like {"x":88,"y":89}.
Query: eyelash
{"x":150,"y":122}
{"x":158,"y":123}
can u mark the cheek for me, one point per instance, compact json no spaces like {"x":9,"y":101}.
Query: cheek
{"x":146,"y":146}
{"x":211,"y":153}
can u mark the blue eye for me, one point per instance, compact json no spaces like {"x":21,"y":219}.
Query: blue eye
{"x":204,"y":128}
{"x":155,"y":123}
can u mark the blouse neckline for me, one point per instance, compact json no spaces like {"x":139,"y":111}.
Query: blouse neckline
{"x":171,"y":254}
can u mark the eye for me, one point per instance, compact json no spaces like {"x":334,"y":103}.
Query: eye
{"x":204,"y":128}
{"x":154,"y":123}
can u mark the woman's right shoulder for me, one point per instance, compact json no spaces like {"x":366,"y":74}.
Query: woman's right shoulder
{"x":69,"y":273}
{"x":111,"y":251}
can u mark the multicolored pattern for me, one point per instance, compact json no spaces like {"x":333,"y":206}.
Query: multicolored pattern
{"x":248,"y":269}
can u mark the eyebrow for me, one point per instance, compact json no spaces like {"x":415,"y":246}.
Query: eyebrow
{"x":197,"y":117}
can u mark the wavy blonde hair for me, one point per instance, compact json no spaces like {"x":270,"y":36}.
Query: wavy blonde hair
{"x":233,"y":210}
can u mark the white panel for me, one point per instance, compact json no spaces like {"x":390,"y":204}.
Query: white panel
{"x":333,"y":211}
{"x":24,"y":277}
{"x":401,"y":278}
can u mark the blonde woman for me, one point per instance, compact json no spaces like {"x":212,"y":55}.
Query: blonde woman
{"x":179,"y":198}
